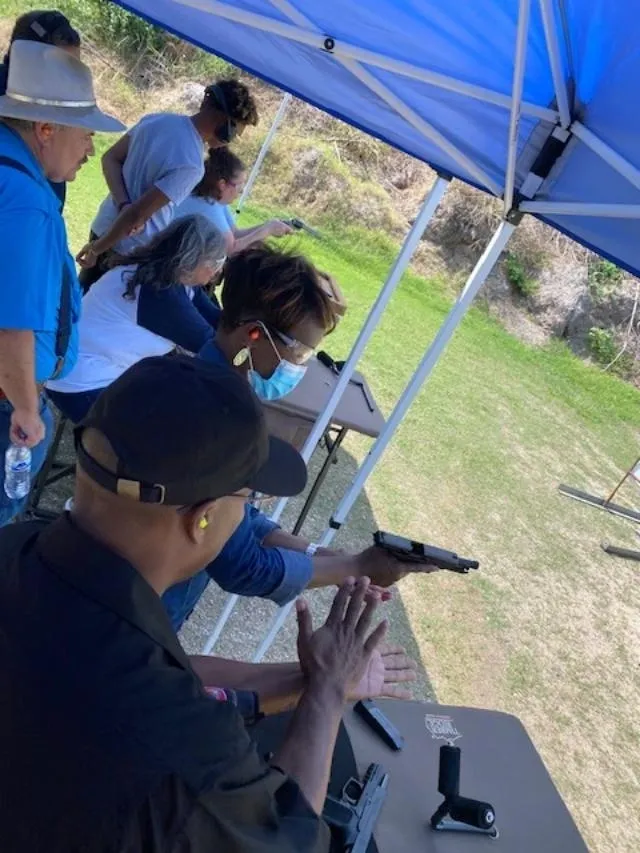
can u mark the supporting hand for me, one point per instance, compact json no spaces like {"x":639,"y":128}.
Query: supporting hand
{"x":389,"y":668}
{"x":340,"y":652}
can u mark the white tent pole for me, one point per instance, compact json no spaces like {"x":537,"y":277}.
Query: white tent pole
{"x":266,"y":145}
{"x":615,"y":160}
{"x":569,"y":208}
{"x":519,"y":67}
{"x":344,"y":50}
{"x":429,"y":206}
{"x":429,"y":361}
{"x":555,"y":61}
{"x":231,"y":602}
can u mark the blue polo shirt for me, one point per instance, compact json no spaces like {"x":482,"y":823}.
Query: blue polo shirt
{"x":33,"y":249}
{"x":245,"y":565}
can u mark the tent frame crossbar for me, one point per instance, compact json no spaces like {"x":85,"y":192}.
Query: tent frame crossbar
{"x":569,"y":208}
{"x":469,"y":166}
{"x":344,"y":50}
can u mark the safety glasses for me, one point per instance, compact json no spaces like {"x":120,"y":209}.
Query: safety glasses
{"x":299,"y":353}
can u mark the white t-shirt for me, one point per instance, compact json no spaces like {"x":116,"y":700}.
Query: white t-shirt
{"x":218,"y":214}
{"x":110,"y":339}
{"x":167,"y":152}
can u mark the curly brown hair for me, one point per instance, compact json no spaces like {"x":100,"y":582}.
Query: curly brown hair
{"x":276,"y":287}
{"x":221,"y":165}
{"x":238,"y":100}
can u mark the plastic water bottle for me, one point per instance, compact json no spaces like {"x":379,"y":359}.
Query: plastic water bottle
{"x":17,"y":472}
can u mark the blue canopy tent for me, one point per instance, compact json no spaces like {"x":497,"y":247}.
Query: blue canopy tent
{"x":531,"y":101}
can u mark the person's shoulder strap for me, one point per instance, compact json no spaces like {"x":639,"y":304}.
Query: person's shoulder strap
{"x":17,"y":165}
{"x":63,"y":332}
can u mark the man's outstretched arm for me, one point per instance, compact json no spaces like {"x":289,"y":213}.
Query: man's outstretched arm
{"x":279,"y":685}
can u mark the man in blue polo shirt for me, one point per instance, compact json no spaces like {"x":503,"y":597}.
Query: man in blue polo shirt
{"x":48,"y":117}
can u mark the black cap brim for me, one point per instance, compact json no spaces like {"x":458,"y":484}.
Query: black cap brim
{"x":284,"y":474}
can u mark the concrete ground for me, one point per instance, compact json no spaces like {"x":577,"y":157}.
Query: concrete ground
{"x":252,"y":616}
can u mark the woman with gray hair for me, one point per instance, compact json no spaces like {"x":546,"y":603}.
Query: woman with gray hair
{"x":148,"y":303}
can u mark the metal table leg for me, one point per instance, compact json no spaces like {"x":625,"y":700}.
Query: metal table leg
{"x":332,"y":450}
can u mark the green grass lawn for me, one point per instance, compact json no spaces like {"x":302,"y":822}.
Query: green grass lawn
{"x":548,"y":629}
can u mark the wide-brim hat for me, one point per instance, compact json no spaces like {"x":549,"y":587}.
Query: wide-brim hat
{"x":48,"y":84}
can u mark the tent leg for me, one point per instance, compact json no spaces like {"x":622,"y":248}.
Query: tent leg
{"x":232,"y":600}
{"x":412,"y":239}
{"x":266,"y":145}
{"x":429,"y":361}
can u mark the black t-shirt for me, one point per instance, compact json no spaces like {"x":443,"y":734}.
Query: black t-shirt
{"x":108,"y":741}
{"x":59,"y":187}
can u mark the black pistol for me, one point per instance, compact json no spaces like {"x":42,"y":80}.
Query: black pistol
{"x":353,"y":817}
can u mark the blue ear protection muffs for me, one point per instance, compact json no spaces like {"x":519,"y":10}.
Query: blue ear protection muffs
{"x":225,"y":132}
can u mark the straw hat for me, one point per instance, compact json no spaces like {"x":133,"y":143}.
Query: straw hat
{"x":48,"y":84}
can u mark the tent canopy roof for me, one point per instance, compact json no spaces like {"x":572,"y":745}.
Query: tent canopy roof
{"x":442,"y":82}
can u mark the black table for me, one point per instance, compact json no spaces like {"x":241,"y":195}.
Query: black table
{"x":500,"y":765}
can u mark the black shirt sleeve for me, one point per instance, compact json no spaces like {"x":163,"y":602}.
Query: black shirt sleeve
{"x":266,"y":813}
{"x":171,"y":314}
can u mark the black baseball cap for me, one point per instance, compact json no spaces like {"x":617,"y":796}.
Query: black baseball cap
{"x":185,"y":431}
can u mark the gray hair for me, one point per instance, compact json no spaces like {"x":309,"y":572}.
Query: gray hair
{"x":173,"y":254}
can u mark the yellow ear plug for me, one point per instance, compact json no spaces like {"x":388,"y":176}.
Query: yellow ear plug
{"x":203,"y":524}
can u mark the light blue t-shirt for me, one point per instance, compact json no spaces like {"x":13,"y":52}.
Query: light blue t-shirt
{"x":167,"y":152}
{"x":33,"y":249}
{"x":218,"y":214}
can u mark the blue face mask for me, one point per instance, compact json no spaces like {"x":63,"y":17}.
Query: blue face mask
{"x":281,"y":382}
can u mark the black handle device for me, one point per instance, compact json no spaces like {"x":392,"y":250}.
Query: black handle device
{"x":417,"y":552}
{"x":368,"y":711}
{"x":456,"y":813}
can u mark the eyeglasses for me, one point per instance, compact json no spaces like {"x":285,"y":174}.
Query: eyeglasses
{"x":301,"y":353}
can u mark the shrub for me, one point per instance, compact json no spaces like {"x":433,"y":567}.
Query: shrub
{"x":605,"y":349}
{"x":603,"y":276}
{"x":517,"y":275}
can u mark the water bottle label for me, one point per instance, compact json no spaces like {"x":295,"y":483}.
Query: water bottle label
{"x":20,"y":467}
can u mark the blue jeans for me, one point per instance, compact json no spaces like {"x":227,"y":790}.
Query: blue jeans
{"x":74,"y":406}
{"x":10,"y":508}
{"x":180,"y":600}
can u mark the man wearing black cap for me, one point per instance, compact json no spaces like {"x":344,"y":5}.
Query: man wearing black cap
{"x":108,"y":739}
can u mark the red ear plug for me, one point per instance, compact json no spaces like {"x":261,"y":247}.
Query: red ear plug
{"x":254,"y":334}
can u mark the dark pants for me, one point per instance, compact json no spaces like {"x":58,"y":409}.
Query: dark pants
{"x":74,"y":406}
{"x":90,"y":276}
